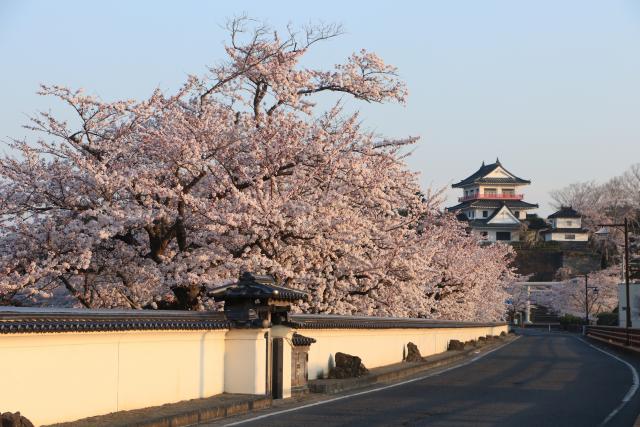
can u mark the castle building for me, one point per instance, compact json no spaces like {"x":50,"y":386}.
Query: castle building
{"x":566,"y":226}
{"x":492,"y":204}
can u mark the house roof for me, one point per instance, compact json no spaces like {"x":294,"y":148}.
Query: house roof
{"x":565,"y":212}
{"x":493,"y":204}
{"x":479,"y":177}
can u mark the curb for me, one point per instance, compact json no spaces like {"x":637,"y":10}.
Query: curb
{"x":179,"y":414}
{"x":626,"y":349}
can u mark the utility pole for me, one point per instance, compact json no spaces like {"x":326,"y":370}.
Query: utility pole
{"x":586,"y":298}
{"x":625,"y":226}
{"x":626,"y":274}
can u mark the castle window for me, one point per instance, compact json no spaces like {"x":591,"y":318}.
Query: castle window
{"x":503,"y":235}
{"x":485,"y":214}
{"x":569,"y":237}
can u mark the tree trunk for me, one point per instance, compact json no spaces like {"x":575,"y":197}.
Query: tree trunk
{"x":188,"y":296}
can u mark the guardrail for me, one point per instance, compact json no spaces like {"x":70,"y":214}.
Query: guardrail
{"x":615,"y":335}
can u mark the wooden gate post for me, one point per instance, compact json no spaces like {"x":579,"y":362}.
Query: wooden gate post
{"x":281,"y":367}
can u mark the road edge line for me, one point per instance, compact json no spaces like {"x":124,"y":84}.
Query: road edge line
{"x":634,"y":385}
{"x":360,"y":393}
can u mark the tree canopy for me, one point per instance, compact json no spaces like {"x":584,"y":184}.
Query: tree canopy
{"x":147,"y":204}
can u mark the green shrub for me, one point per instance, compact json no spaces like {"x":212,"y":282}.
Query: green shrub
{"x":607,"y":319}
{"x":569,"y":319}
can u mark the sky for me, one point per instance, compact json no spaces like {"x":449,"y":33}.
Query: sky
{"x":552,"y":88}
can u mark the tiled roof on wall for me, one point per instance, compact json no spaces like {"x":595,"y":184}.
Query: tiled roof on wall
{"x":25,"y":320}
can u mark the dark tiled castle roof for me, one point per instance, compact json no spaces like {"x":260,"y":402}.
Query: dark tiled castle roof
{"x":565,"y":212}
{"x":479,"y":177}
{"x":493,"y":204}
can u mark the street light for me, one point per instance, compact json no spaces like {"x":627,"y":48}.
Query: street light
{"x":605,"y":232}
{"x":586,"y":297}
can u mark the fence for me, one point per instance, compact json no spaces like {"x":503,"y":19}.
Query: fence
{"x":615,"y":335}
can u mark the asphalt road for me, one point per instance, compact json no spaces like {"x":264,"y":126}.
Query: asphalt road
{"x":541,"y":379}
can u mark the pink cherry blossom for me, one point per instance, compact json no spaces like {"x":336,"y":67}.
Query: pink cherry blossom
{"x":151,"y":203}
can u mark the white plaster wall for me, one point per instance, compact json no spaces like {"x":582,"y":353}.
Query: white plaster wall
{"x":498,"y":173}
{"x":478,"y":213}
{"x":568,"y":223}
{"x":379,"y":347}
{"x":503,"y":216}
{"x":560,"y":237}
{"x":245,"y":369}
{"x":60,"y":377}
{"x":468,"y":191}
{"x":491,"y":235}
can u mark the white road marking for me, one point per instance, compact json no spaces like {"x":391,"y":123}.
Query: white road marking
{"x":433,"y":374}
{"x":632,"y":390}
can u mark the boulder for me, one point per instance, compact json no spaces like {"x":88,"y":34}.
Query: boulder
{"x":347,"y":366}
{"x":455,"y":345}
{"x":9,"y":419}
{"x":413,"y":354}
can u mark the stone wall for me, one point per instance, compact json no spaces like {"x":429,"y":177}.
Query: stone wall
{"x":543,"y":263}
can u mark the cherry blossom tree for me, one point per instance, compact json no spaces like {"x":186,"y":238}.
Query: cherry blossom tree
{"x":608,"y":202}
{"x":150,"y":203}
{"x":611,"y":201}
{"x":568,"y":296}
